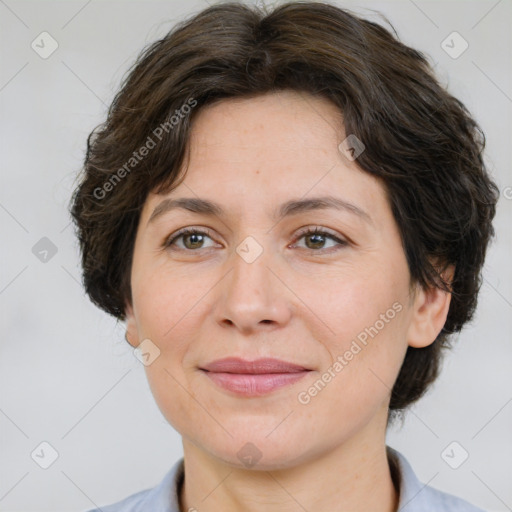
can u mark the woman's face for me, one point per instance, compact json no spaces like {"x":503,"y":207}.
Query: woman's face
{"x":252,"y":286}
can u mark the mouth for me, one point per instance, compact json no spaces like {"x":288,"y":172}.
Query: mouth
{"x":253,"y":378}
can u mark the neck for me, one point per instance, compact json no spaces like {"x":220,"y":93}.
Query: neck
{"x":354,"y":477}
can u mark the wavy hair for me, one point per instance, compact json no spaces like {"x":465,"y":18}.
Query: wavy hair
{"x":419,"y":140}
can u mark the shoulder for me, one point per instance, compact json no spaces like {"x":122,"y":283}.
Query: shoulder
{"x":414,"y":495}
{"x":418,"y":497}
{"x":162,"y":498}
{"x":133,"y":503}
{"x":448,"y":502}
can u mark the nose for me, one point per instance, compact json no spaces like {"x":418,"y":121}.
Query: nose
{"x":252,"y":295}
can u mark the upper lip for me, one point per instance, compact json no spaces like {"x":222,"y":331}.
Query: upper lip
{"x":258,"y":366}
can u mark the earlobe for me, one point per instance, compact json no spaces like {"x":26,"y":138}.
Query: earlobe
{"x":430,"y":311}
{"x":131,"y":334}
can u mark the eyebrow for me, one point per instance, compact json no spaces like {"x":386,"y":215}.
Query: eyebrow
{"x":292,"y":207}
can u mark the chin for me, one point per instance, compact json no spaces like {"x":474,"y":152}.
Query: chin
{"x":261,"y":451}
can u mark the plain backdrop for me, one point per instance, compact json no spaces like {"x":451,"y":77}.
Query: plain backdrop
{"x":68,"y":378}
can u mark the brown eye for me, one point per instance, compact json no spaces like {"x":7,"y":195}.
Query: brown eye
{"x":192,"y":239}
{"x":195,"y":239}
{"x":315,"y":239}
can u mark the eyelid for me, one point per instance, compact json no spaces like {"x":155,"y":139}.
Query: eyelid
{"x":341,"y":241}
{"x":307,"y":230}
{"x":184,"y":231}
{"x":326,"y":232}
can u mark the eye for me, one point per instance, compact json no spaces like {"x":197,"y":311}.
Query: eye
{"x":315,"y":239}
{"x":192,"y":239}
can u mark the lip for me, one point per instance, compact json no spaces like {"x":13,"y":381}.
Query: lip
{"x":259,"y":366}
{"x":253,"y":378}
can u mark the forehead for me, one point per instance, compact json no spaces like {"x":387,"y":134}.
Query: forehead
{"x":270,"y":148}
{"x":278,"y":122}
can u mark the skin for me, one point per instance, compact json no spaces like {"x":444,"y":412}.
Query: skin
{"x":303,"y":300}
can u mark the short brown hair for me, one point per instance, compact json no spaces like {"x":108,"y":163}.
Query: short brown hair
{"x":420,"y":140}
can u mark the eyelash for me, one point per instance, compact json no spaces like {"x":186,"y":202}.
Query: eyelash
{"x":307,"y":231}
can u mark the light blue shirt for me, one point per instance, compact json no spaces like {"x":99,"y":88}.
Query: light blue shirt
{"x":414,"y":496}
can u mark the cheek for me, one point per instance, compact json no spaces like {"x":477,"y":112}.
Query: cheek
{"x":352,"y":388}
{"x":354,"y":302}
{"x":176,"y":399}
{"x":365,"y":314}
{"x":167,"y":308}
{"x":164,"y":298}
{"x":339,"y":312}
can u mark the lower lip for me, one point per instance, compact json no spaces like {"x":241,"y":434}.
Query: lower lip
{"x":254,"y":384}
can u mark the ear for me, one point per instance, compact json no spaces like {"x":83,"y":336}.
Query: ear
{"x":131,"y":335}
{"x":430,"y":310}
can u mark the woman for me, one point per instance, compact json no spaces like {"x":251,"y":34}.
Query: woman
{"x":291,"y":215}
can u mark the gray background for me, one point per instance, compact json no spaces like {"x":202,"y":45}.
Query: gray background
{"x":67,"y":376}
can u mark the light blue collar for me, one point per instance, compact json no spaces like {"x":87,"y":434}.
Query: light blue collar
{"x":414,"y":495}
